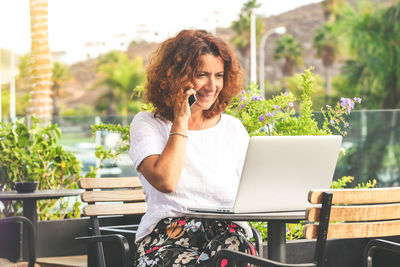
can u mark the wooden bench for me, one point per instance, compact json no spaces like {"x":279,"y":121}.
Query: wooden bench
{"x":106,"y":197}
{"x":344,"y":213}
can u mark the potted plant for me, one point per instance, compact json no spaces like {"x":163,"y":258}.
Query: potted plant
{"x":31,"y":156}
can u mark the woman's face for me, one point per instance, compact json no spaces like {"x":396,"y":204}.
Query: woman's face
{"x":208,"y":81}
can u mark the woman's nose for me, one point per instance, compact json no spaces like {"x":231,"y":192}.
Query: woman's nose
{"x":211,"y":84}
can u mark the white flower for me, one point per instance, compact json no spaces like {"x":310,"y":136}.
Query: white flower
{"x":158,"y":242}
{"x":233,"y":243}
{"x":184,"y":242}
{"x":142,"y":244}
{"x":152,"y":262}
{"x":203,"y":257}
{"x":146,"y":240}
{"x":192,"y":225}
{"x":213,"y":252}
{"x":142,"y":261}
{"x":140,"y":249}
{"x":185,"y":258}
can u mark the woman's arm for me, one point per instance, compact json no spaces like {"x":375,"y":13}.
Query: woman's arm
{"x":163,"y":171}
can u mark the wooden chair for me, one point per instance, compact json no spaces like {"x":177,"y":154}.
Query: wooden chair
{"x":31,"y":238}
{"x":106,"y":197}
{"x":345,"y":213}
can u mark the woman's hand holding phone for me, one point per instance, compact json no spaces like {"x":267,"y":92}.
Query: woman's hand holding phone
{"x":192,"y":99}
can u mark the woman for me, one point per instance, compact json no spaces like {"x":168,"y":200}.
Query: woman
{"x":189,"y":156}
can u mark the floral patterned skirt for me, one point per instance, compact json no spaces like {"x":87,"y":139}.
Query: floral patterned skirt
{"x":190,"y":242}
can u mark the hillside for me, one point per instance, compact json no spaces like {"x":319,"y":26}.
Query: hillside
{"x":300,"y":22}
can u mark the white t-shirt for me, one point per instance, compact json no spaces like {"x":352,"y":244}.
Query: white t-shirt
{"x":211,"y":171}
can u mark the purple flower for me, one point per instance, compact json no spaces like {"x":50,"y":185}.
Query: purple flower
{"x":285,"y":93}
{"x":344,"y":101}
{"x":276,"y":107}
{"x":256,"y":98}
{"x":291,"y":104}
{"x":243,"y":98}
{"x":261,"y":118}
{"x":347,"y":103}
{"x":328,"y":106}
{"x":269,"y":114}
{"x":357,"y":99}
{"x":332,"y":122}
{"x":242,"y":106}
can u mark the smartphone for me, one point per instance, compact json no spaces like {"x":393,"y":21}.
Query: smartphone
{"x":192,"y":99}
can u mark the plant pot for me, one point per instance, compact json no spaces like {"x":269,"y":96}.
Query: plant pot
{"x":25,"y":187}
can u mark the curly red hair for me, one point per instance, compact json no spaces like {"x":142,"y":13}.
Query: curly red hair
{"x":173,"y":67}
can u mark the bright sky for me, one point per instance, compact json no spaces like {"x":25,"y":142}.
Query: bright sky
{"x":72,"y":23}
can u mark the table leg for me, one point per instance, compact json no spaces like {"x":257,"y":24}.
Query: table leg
{"x":277,"y":241}
{"x":29,"y":211}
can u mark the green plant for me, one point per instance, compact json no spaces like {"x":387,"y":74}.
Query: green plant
{"x":277,"y":116}
{"x":33,"y":154}
{"x":111,"y":154}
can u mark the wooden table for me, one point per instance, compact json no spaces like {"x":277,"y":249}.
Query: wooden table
{"x":276,"y":226}
{"x":29,"y":200}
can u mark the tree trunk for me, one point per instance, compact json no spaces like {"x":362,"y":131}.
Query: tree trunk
{"x":328,"y":88}
{"x":56,"y":95}
{"x":112,"y":108}
{"x":392,"y":97}
{"x":288,"y":67}
{"x":40,"y":102}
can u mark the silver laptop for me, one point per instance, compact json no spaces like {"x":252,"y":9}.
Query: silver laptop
{"x":279,"y":171}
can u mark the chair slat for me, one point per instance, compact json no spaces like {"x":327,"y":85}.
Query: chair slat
{"x":358,"y":213}
{"x":355,"y":230}
{"x":103,"y":183}
{"x":357,"y":196}
{"x":115,"y":209}
{"x":116,"y":195}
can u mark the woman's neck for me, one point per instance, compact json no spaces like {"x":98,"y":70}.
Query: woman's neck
{"x":197,"y":121}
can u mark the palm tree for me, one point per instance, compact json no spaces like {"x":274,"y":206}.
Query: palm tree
{"x":289,"y":49}
{"x":326,"y":42}
{"x":373,"y":71}
{"x":120,"y":76}
{"x":59,"y":77}
{"x":40,"y":102}
{"x":331,"y":8}
{"x":241,"y":29}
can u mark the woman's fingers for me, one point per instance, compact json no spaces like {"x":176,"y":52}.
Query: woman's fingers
{"x":188,"y":93}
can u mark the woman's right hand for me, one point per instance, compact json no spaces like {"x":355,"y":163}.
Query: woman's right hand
{"x":163,"y":171}
{"x":182,"y":109}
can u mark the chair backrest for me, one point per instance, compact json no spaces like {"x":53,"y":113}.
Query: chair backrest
{"x":112,"y":196}
{"x":31,"y":237}
{"x":352,"y":213}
